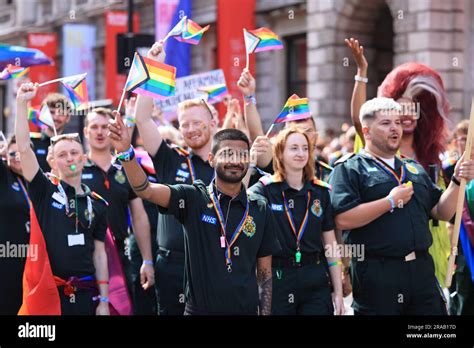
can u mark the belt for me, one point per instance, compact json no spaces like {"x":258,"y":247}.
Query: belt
{"x":407,"y":258}
{"x":290,"y":262}
{"x":170,"y":253}
{"x":75,"y":283}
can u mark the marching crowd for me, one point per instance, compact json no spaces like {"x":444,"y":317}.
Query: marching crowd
{"x":221,"y":219}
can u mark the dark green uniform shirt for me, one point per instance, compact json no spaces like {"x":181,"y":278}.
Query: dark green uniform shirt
{"x":320,"y":214}
{"x":210,"y":288}
{"x":172,"y":167}
{"x":359,"y":180}
{"x":67,"y":261}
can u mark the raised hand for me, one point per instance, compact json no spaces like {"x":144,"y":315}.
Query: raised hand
{"x":157,"y":52}
{"x":26,"y":92}
{"x":357,"y":52}
{"x":246,"y":83}
{"x":118,"y":133}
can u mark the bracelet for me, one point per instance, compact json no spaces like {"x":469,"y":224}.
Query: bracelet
{"x":103,"y":299}
{"x":359,"y":78}
{"x":392,"y":203}
{"x":148,"y":262}
{"x":334,"y":263}
{"x":250,"y":99}
{"x":455,"y":180}
{"x":102,"y":282}
{"x":126,"y":156}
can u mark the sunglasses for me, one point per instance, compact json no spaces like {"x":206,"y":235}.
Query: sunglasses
{"x":69,"y":136}
{"x":207,"y":107}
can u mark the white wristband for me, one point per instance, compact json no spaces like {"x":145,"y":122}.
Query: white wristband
{"x":361,"y":79}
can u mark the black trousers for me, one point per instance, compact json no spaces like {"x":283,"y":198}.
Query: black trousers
{"x":81,"y":304}
{"x":144,"y":301}
{"x":389,"y":286}
{"x":301,"y":290}
{"x":462,"y":303}
{"x":11,"y":287}
{"x":169,"y":279}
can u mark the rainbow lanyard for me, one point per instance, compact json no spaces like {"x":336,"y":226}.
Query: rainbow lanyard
{"x":303,"y":225}
{"x":23,"y":189}
{"x":190,"y":163}
{"x":224,"y":242}
{"x":398,"y":179}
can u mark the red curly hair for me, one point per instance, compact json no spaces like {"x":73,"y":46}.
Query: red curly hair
{"x":424,"y":86}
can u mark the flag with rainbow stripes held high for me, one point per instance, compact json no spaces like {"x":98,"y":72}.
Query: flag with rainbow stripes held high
{"x":295,"y":109}
{"x":151,"y":78}
{"x":77,"y":90}
{"x":268,"y":40}
{"x":215,"y":93}
{"x":13,"y":72}
{"x":187,"y":31}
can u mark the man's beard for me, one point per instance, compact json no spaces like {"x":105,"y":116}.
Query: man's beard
{"x":385,"y":146}
{"x":221,"y":173}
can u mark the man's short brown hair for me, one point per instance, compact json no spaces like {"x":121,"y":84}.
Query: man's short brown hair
{"x":58,"y":101}
{"x":461,"y":128}
{"x":106,"y":112}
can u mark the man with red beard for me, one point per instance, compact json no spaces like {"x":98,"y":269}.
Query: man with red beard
{"x":386,"y":203}
{"x":175,"y":165}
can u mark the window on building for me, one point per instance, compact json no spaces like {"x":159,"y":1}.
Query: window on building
{"x":296,"y":67}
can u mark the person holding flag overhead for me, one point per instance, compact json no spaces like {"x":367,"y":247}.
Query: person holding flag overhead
{"x":71,"y":219}
{"x":15,"y":230}
{"x":55,"y":114}
{"x":302,"y":208}
{"x":386,"y":203}
{"x":174,"y":165}
{"x":229,"y":234}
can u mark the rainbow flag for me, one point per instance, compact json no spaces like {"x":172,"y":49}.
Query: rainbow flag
{"x":187,"y":31}
{"x":12,"y":72}
{"x":77,"y":90}
{"x":296,"y":108}
{"x":151,"y":78}
{"x":268,"y":40}
{"x":215,"y":93}
{"x":33,"y":116}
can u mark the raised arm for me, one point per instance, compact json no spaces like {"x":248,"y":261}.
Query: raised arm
{"x":29,"y":163}
{"x":121,"y":141}
{"x":247,"y":86}
{"x":359,"y":94}
{"x":144,"y":108}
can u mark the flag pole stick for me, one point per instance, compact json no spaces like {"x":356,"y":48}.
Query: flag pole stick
{"x":460,"y":204}
{"x":51,"y":81}
{"x":269,"y":130}
{"x":247,"y":63}
{"x":121,"y":100}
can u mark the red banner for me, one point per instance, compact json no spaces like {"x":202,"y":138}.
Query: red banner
{"x":115,"y":23}
{"x":48,"y":44}
{"x":232,"y":16}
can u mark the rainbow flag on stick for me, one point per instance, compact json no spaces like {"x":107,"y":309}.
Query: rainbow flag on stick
{"x":268,"y":40}
{"x":215,"y":93}
{"x":77,"y":90}
{"x":295,"y":109}
{"x":12,"y":72}
{"x":151,"y":78}
{"x":187,"y":31}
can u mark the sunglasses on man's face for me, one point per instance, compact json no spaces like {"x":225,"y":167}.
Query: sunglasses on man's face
{"x":70,"y":136}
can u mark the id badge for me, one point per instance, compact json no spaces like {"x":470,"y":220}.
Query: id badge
{"x":75,"y":239}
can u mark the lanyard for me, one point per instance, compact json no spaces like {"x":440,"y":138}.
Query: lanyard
{"x":89,"y":207}
{"x":304,"y":223}
{"x":191,"y":169}
{"x":381,"y":164}
{"x":23,"y":189}
{"x":220,"y":216}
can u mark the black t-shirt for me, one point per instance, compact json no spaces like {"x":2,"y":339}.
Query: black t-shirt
{"x":360,"y":180}
{"x":172,"y":167}
{"x":210,"y":288}
{"x":320,"y":214}
{"x":114,"y":187}
{"x":41,"y":142}
{"x":67,"y":261}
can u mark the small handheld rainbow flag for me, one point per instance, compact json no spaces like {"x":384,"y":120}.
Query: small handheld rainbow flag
{"x":33,"y":116}
{"x":268,"y":40}
{"x":187,"y":31}
{"x":12,"y":72}
{"x":77,"y":90}
{"x":215,"y":93}
{"x":151,"y":78}
{"x":295,"y":109}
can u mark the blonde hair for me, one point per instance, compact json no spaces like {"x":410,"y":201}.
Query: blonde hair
{"x":279,"y":148}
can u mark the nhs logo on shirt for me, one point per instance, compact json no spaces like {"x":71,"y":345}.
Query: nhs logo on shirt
{"x":182,"y":173}
{"x":277,"y":207}
{"x":57,"y":205}
{"x":41,"y":152}
{"x":208,"y":219}
{"x":87,"y":176}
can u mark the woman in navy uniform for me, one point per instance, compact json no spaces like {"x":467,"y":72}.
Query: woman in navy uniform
{"x":301,"y":205}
